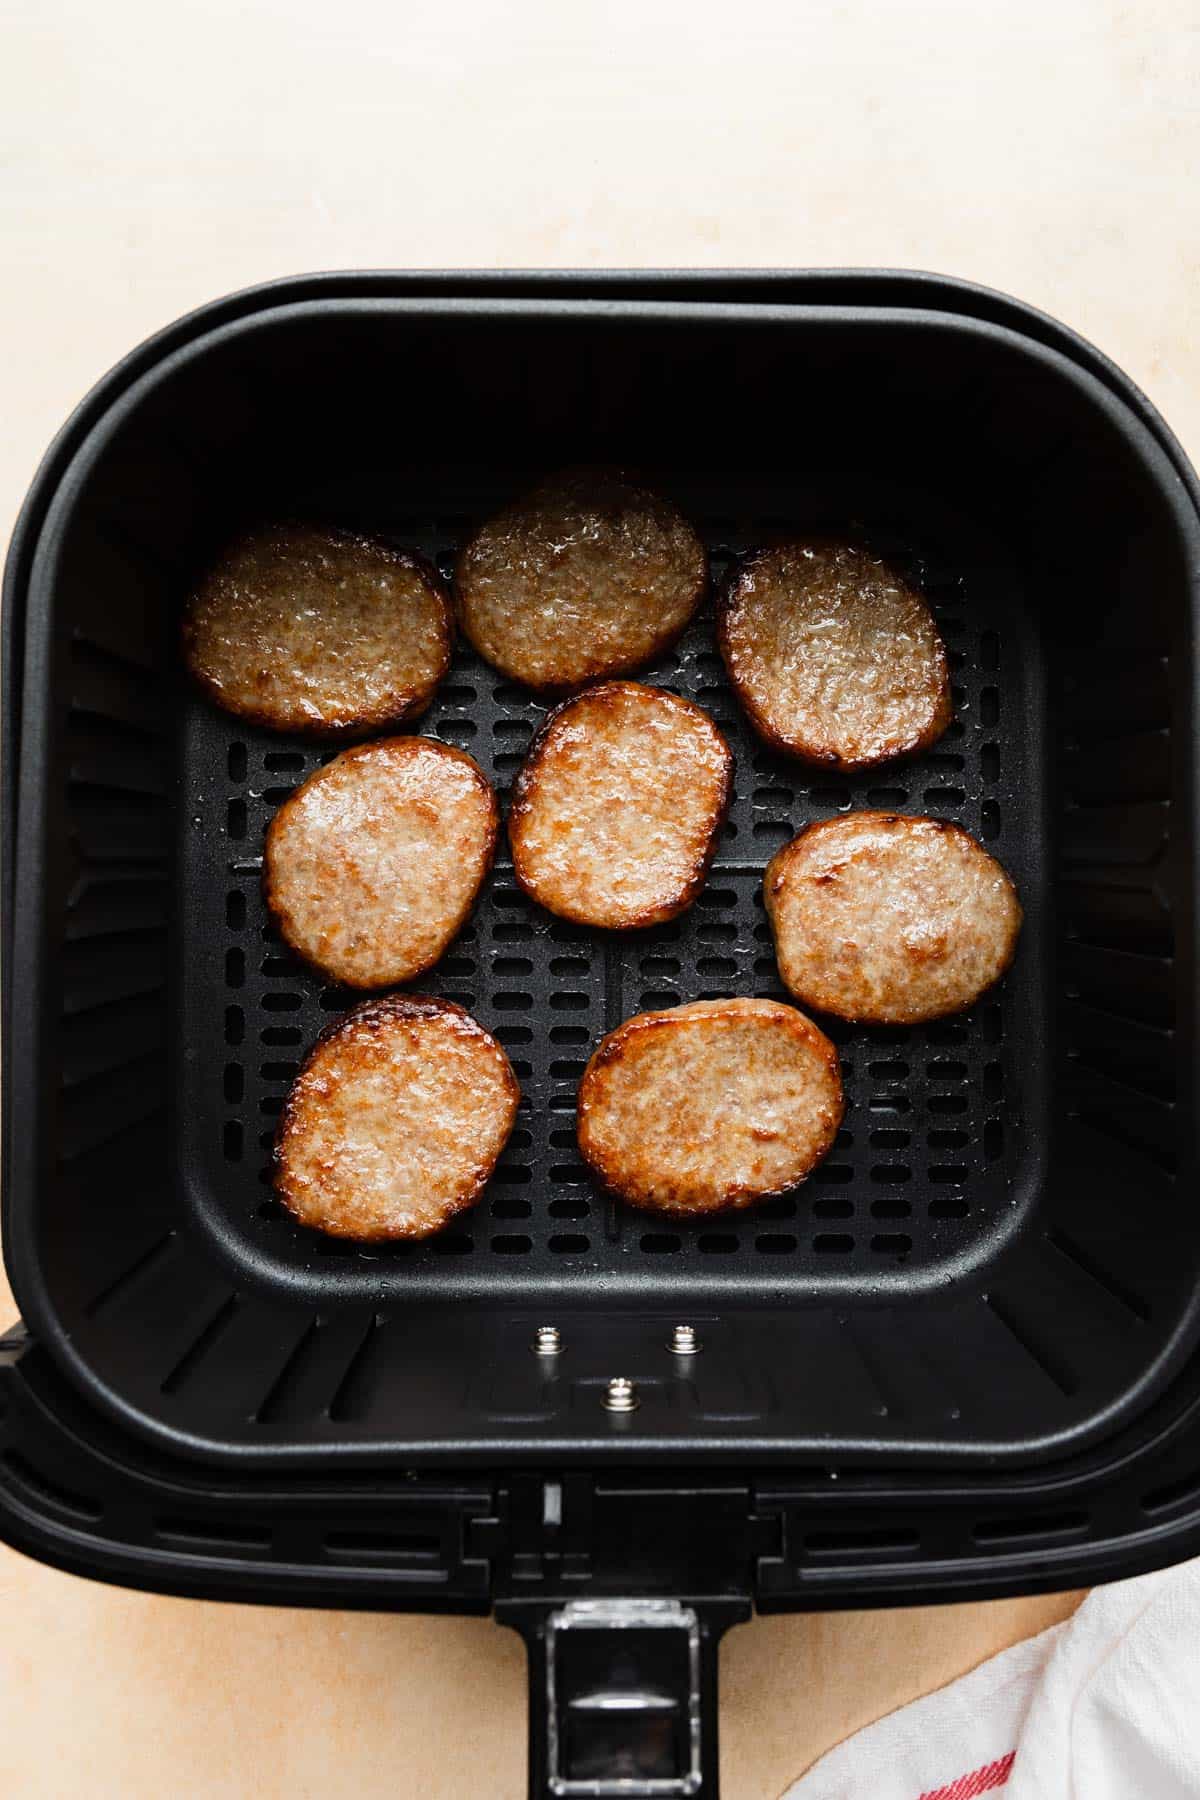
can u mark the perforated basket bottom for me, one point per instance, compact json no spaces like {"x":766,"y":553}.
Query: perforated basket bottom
{"x":934,"y":1166}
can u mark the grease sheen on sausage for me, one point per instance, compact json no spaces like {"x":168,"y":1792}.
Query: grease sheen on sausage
{"x":589,"y":575}
{"x":709,"y":1106}
{"x":373,"y":864}
{"x":834,"y":655}
{"x":889,"y":919}
{"x":395,"y":1121}
{"x":316,"y":631}
{"x":617,"y":809}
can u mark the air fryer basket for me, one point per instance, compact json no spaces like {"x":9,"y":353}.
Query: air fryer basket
{"x":1001,"y":1256}
{"x":996,"y":1269}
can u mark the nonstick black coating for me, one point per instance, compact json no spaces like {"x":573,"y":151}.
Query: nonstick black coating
{"x":997,"y":1260}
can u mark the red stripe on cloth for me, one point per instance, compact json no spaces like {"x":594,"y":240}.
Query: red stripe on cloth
{"x":979,"y":1781}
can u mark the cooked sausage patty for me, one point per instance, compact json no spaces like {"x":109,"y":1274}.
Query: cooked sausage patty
{"x":835,"y":656}
{"x":395,"y":1120}
{"x":373,"y":864}
{"x":889,"y":920}
{"x":318,"y":631}
{"x":587,"y":576}
{"x":617,"y":808}
{"x":712,"y":1105}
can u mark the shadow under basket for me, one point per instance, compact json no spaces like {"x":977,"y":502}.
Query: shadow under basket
{"x":997,"y":1265}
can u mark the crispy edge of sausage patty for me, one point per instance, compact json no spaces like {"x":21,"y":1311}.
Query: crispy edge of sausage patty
{"x":633,"y":1165}
{"x":817,"y":857}
{"x":801,"y":737}
{"x":276,"y":880}
{"x":289,"y":539}
{"x":344,"y":1048}
{"x":607,"y":714}
{"x":532,"y":652}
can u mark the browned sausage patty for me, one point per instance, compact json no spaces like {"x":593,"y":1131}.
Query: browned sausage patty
{"x":318,"y":631}
{"x":586,"y":576}
{"x":617,"y":808}
{"x":395,"y":1120}
{"x":373,"y":864}
{"x":889,"y":920}
{"x":835,"y":656}
{"x":712,"y":1105}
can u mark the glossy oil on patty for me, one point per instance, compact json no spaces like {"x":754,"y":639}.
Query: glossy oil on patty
{"x":834,"y":655}
{"x":711,"y":1105}
{"x":395,"y":1121}
{"x":617,"y":808}
{"x":587,"y":576}
{"x":318,"y":631}
{"x":889,"y":919}
{"x":373,"y":864}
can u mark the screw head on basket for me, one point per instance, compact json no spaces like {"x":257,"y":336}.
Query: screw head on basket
{"x":547,"y":1340}
{"x":621,"y":1395}
{"x":684,"y":1341}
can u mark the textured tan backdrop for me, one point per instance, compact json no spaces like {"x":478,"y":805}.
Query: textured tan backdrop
{"x":157,"y":156}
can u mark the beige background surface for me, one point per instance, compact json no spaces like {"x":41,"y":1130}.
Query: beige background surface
{"x":155,"y":156}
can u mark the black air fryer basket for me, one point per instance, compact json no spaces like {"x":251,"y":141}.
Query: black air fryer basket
{"x":960,"y":1361}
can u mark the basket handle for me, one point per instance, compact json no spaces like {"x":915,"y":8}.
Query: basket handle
{"x":622,"y":1696}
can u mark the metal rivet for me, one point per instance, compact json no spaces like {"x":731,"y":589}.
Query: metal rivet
{"x":684,"y":1341}
{"x":621,"y":1395}
{"x":547,"y":1340}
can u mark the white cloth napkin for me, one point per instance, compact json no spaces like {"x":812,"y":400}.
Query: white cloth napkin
{"x":1103,"y":1707}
